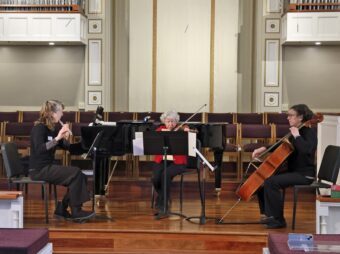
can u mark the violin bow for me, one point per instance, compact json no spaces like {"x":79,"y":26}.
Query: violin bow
{"x":190,"y":117}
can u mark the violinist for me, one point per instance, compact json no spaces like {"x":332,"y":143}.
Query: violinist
{"x":176,"y":164}
{"x":300,"y":167}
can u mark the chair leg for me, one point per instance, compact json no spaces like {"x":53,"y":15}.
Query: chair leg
{"x":181,"y":194}
{"x":43,"y":190}
{"x":45,"y":202}
{"x":55,"y":195}
{"x":283,"y":196}
{"x":152,"y":196}
{"x":294,"y":206}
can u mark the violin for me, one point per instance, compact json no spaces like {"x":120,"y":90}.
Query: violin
{"x":272,"y":162}
{"x":185,"y":128}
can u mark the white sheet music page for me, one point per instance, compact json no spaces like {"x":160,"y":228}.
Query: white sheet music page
{"x":191,"y":144}
{"x":137,"y":143}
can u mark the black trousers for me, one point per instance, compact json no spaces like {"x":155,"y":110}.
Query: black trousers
{"x":270,"y":195}
{"x":68,"y":176}
{"x":218,"y":158}
{"x":158,"y":178}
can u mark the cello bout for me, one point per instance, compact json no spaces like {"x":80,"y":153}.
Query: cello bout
{"x":265,"y":170}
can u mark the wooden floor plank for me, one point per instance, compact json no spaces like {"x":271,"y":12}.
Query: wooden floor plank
{"x":134,"y":229}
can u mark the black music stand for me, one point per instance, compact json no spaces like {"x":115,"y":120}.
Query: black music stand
{"x":111,"y":143}
{"x":93,"y":153}
{"x":103,"y":142}
{"x":166,"y":143}
{"x":203,"y":162}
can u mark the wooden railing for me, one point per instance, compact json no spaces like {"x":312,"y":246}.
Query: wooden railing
{"x":42,"y":8}
{"x":311,"y":6}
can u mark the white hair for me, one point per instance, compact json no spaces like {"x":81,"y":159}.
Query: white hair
{"x":170,"y":114}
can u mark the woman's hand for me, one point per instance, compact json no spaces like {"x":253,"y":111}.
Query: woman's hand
{"x":295,"y":132}
{"x":186,"y":128}
{"x":63,"y":133}
{"x":258,"y":151}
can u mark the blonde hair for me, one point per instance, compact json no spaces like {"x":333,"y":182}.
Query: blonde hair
{"x":47,"y":109}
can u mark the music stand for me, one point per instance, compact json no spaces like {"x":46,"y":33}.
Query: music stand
{"x":203,"y":162}
{"x":166,"y":143}
{"x":93,"y":151}
{"x":112,"y":142}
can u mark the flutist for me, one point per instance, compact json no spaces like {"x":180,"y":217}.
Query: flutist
{"x":44,"y":141}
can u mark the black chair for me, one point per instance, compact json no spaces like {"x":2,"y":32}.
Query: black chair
{"x":16,"y":175}
{"x":193,"y":166}
{"x":328,"y":171}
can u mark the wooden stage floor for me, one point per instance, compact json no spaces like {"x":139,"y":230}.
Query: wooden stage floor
{"x":133,"y":228}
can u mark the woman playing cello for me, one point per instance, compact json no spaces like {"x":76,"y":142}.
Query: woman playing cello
{"x":301,"y":167}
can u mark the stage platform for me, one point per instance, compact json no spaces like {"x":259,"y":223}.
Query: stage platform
{"x":133,"y":228}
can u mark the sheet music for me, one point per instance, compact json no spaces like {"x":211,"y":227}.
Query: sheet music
{"x":137,"y":144}
{"x":191,"y":144}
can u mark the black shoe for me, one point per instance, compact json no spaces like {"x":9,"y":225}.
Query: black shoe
{"x":266,"y":220}
{"x":275,"y":223}
{"x":161,"y":215}
{"x":61,"y":211}
{"x":78,"y":213}
{"x":160,"y":209}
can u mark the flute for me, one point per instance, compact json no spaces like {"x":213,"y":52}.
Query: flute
{"x":62,"y":124}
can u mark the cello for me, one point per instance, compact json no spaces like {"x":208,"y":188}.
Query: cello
{"x":272,"y":162}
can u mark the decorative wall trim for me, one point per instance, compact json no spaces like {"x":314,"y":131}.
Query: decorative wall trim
{"x":95,"y":62}
{"x":212,"y":56}
{"x":272,"y":25}
{"x":95,"y":6}
{"x":272,"y":64}
{"x":95,"y":26}
{"x":271,"y":99}
{"x":154,"y":55}
{"x":273,"y":6}
{"x":94,"y":97}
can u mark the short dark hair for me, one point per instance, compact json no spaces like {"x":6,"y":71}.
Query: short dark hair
{"x":304,"y":111}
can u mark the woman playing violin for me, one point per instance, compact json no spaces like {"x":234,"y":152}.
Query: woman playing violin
{"x":176,"y":164}
{"x":300,"y":163}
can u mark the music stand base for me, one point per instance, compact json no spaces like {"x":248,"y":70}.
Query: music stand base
{"x":162,"y":215}
{"x":102,"y":217}
{"x":202,"y":219}
{"x":218,"y":221}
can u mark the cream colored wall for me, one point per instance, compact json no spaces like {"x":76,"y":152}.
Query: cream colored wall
{"x":183,"y":44}
{"x":245,"y":56}
{"x":311,"y":76}
{"x":226,"y":43}
{"x":140,"y":55}
{"x":32,"y":74}
{"x":120,"y":44}
{"x":182,"y":64}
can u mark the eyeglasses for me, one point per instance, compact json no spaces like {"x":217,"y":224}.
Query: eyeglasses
{"x":170,"y":121}
{"x":291,"y":115}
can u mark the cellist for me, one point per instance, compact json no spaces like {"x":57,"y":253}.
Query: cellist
{"x":300,"y":167}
